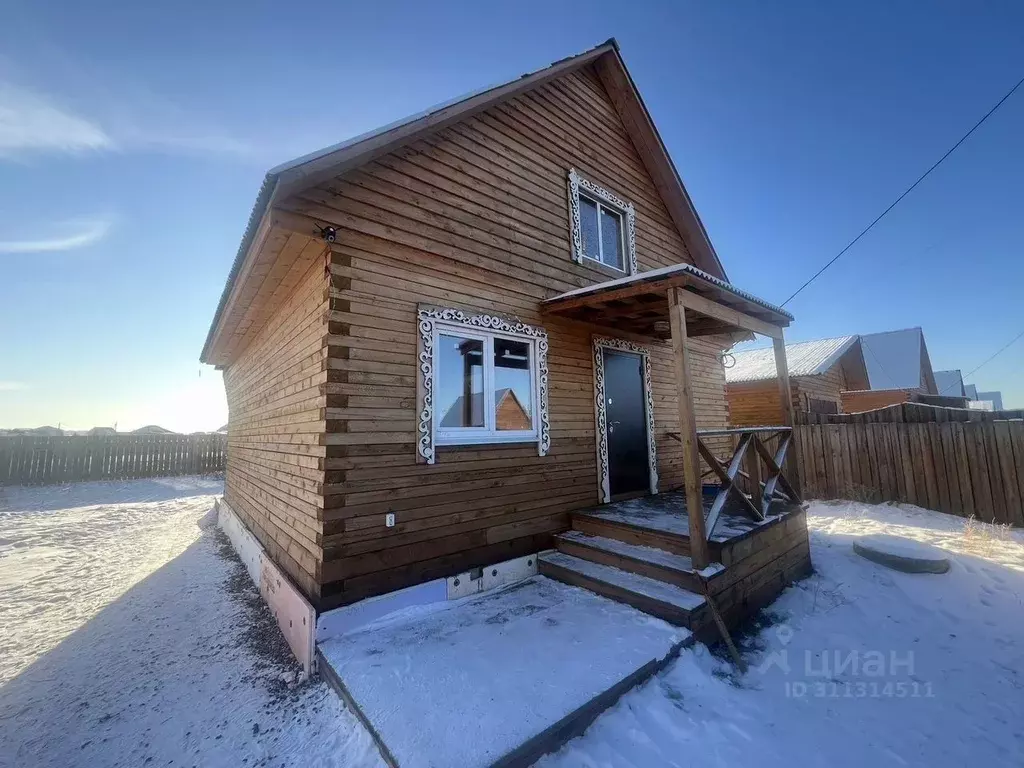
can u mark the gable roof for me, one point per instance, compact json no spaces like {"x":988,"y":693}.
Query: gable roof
{"x":995,"y":397}
{"x":950,"y":383}
{"x":805,"y":358}
{"x":301,"y":173}
{"x":898,"y":360}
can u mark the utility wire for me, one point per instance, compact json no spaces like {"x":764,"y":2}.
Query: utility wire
{"x":909,"y":189}
{"x":994,"y":355}
{"x":882,"y":367}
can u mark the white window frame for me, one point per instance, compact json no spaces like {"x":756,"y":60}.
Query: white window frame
{"x":582,"y":187}
{"x":601,"y":208}
{"x":433,"y":323}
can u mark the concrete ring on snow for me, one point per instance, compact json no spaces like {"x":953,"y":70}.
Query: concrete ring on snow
{"x":901,"y":554}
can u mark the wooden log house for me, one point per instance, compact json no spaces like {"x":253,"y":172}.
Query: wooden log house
{"x":899,"y":371}
{"x":819,"y":371}
{"x":391,"y":292}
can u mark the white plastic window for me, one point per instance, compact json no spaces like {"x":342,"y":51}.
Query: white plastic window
{"x":485,"y":385}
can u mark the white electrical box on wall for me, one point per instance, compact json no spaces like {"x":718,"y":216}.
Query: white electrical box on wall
{"x":389,"y":520}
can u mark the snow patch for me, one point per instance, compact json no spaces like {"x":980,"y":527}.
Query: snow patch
{"x":464,"y":682}
{"x":134,"y":637}
{"x":858,"y":665}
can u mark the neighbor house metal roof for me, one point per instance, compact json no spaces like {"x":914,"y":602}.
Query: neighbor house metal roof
{"x":894,"y":359}
{"x":949,"y":383}
{"x":805,"y":358}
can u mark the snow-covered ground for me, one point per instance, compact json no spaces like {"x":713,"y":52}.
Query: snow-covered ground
{"x":857,"y":665}
{"x":132,"y":636}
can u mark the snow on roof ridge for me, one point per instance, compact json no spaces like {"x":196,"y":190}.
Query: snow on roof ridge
{"x":805,"y":358}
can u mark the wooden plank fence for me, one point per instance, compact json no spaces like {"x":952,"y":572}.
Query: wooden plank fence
{"x":40,"y":460}
{"x":967,"y":467}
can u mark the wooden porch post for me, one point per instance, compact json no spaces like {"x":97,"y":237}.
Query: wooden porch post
{"x":782,"y":368}
{"x":688,"y":432}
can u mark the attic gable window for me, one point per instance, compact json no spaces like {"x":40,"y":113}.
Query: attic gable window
{"x":483,"y":380}
{"x":603,"y":226}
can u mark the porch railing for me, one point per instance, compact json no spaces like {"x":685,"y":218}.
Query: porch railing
{"x":751,"y":451}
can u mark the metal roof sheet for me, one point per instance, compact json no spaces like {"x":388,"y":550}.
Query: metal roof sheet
{"x":893,"y":358}
{"x":669,"y":271}
{"x":805,"y":358}
{"x":949,"y":383}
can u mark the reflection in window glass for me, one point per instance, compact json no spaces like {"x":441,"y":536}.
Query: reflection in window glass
{"x":589,"y":230}
{"x":611,"y":238}
{"x":513,"y":393}
{"x":460,"y":381}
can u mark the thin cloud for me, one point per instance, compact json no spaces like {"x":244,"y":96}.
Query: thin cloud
{"x":69,"y":236}
{"x":115,"y":116}
{"x":12,"y":386}
{"x":31,"y":123}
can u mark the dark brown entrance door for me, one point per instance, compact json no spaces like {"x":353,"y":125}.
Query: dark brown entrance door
{"x":626,"y":423}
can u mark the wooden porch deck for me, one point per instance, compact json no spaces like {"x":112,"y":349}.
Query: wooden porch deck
{"x":667,"y":513}
{"x":638,"y":552}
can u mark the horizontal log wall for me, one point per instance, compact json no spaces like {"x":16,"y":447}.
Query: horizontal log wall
{"x":475,"y":217}
{"x":825,"y":386}
{"x":276,"y":398}
{"x":39,"y":460}
{"x":969,"y":469}
{"x":756,"y":403}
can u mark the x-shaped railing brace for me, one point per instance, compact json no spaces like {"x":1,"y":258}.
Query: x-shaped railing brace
{"x":775,"y":487}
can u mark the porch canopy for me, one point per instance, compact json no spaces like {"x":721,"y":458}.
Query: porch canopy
{"x":678,"y":302}
{"x":641,"y":304}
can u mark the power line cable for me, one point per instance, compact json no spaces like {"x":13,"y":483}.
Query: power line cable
{"x":882,"y":367}
{"x":909,"y":189}
{"x":994,"y":355}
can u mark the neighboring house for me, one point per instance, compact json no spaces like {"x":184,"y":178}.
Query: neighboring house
{"x":532,"y":237}
{"x":971,"y":391}
{"x":995,"y":398}
{"x":40,"y":431}
{"x":510,"y":414}
{"x":899,"y":371}
{"x":950,"y":383}
{"x":151,"y":429}
{"x":819,"y":371}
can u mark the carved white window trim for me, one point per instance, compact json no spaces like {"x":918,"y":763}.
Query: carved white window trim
{"x":600,"y":344}
{"x":590,"y":189}
{"x":428,"y":321}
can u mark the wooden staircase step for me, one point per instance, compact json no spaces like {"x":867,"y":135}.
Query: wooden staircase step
{"x":647,"y":561}
{"x":631,"y":534}
{"x":666,"y":601}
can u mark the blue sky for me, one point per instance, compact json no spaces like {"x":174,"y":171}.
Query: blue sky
{"x":133,"y":139}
